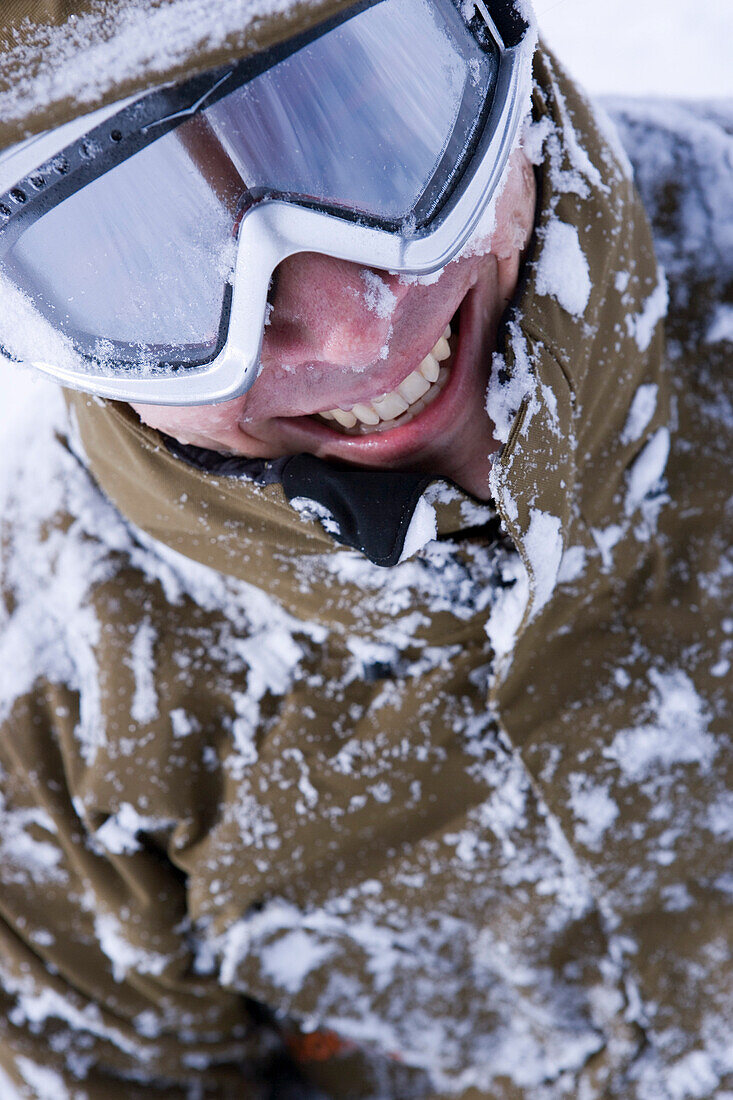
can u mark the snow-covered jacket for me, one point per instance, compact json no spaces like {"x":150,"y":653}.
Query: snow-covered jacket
{"x":456,"y":827}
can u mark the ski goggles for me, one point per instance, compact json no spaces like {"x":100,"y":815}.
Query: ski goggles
{"x":138,"y":243}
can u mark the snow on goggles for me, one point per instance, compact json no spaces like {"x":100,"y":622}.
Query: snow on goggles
{"x":138,"y":244}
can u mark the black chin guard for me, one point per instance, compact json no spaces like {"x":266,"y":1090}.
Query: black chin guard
{"x":370,"y":510}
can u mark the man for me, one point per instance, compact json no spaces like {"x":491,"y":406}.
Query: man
{"x":386,"y":754}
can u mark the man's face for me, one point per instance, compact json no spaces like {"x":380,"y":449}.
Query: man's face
{"x":341,"y":336}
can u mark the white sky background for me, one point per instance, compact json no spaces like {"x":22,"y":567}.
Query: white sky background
{"x":679,"y":48}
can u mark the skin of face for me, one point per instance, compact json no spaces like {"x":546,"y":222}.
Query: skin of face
{"x":326,"y":346}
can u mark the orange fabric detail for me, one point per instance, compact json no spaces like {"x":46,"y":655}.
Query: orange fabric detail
{"x":317,"y":1046}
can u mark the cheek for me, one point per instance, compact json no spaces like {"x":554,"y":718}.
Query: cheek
{"x":516,"y":208}
{"x":187,"y":422}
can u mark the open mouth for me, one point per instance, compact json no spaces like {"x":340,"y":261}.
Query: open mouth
{"x":391,"y":410}
{"x":439,"y":426}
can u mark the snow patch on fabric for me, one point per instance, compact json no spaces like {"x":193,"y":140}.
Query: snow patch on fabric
{"x":289,"y":960}
{"x":594,"y":809}
{"x":611,"y":136}
{"x":435,"y":578}
{"x":119,"y":833}
{"x":544,"y":548}
{"x":675,"y":733}
{"x":7,"y":1089}
{"x":310,"y":510}
{"x":145,"y":697}
{"x":645,"y":476}
{"x":571,"y":169}
{"x":606,"y":539}
{"x":509,"y":608}
{"x":572,"y":565}
{"x":510,"y":387}
{"x":123,"y":955}
{"x":562,"y":268}
{"x":295,"y":950}
{"x":642,"y":326}
{"x":581,"y":165}
{"x":53,"y":629}
{"x":46,"y":1083}
{"x":721,"y":326}
{"x":422,"y":530}
{"x":23,"y":853}
{"x":35,"y":1007}
{"x":534,"y":136}
{"x":641,"y":412}
{"x":182,"y":724}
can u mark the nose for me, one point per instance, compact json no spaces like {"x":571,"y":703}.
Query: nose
{"x":326,"y":310}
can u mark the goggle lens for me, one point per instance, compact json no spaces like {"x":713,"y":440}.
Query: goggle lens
{"x":137,"y":260}
{"x":363,"y":117}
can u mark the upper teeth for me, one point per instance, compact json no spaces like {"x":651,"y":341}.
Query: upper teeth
{"x":391,"y":405}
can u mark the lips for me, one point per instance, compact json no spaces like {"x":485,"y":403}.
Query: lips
{"x":386,"y":411}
